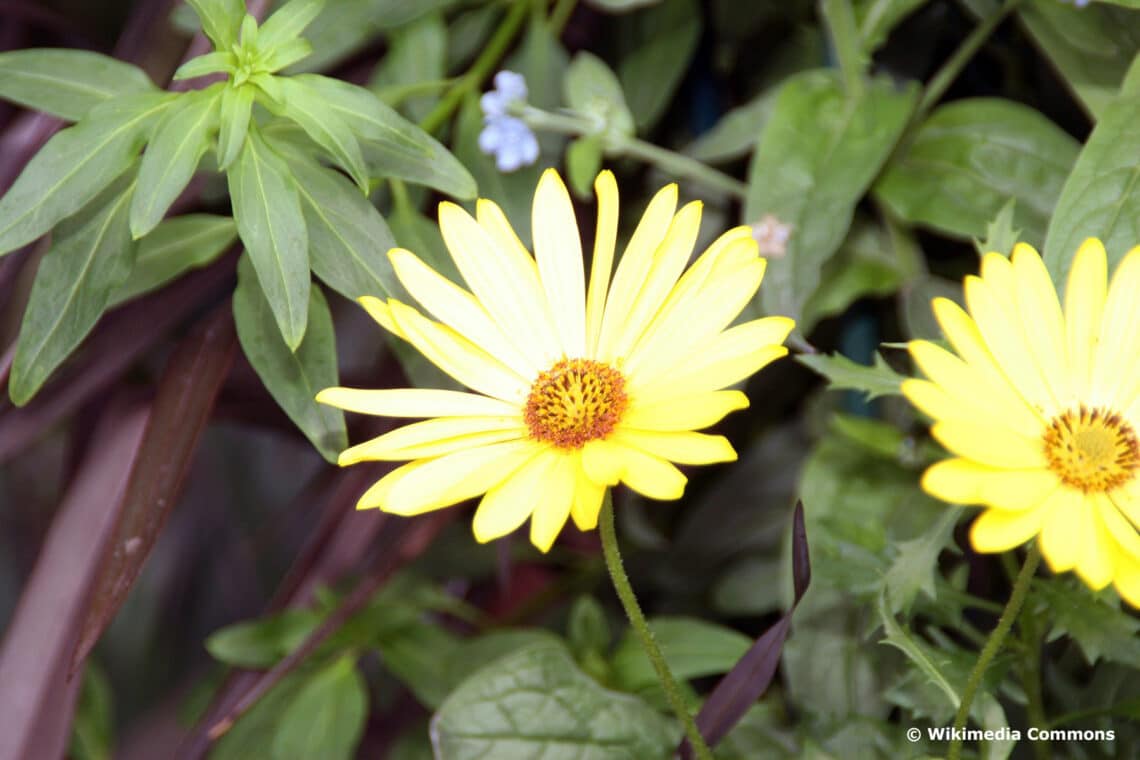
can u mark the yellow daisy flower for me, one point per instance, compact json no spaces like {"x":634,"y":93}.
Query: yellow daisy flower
{"x":1042,"y":409}
{"x":575,"y":389}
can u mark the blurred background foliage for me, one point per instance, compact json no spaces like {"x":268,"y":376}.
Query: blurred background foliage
{"x":895,"y":137}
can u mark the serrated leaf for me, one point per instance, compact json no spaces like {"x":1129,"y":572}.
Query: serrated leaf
{"x":67,"y":83}
{"x":293,"y":376}
{"x":592,"y":89}
{"x":91,"y":255}
{"x":174,"y":247}
{"x":819,"y":152}
{"x":899,"y":638}
{"x":267,"y":209}
{"x":287,"y":23}
{"x":914,"y":567}
{"x":844,"y":374}
{"x":172,"y":155}
{"x":1099,"y":628}
{"x":659,"y":42}
{"x":259,"y":644}
{"x":537,"y":703}
{"x":220,"y":20}
{"x":969,"y":158}
{"x":692,"y":647}
{"x":326,"y":718}
{"x":237,"y":105}
{"x":392,"y":146}
{"x":1001,"y":235}
{"x":75,"y":164}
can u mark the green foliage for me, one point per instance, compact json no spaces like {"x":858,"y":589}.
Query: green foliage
{"x":659,"y":42}
{"x":1094,"y":624}
{"x":844,"y":374}
{"x":326,"y":717}
{"x":175,"y":246}
{"x":94,"y":731}
{"x":693,"y":648}
{"x":67,"y":83}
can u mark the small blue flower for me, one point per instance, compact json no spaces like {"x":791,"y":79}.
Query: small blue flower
{"x":506,"y":137}
{"x":1078,"y":3}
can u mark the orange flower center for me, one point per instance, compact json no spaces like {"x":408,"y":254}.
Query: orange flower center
{"x":1093,"y":450}
{"x":575,"y":401}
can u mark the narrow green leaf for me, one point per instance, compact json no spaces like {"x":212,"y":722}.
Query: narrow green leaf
{"x":220,"y":20}
{"x":287,"y":23}
{"x":659,"y":42}
{"x":67,"y":83}
{"x":817,"y":155}
{"x":348,"y":238}
{"x":304,"y":105}
{"x":326,"y":718}
{"x":969,"y":158}
{"x":267,"y":209}
{"x":93,"y":729}
{"x":844,"y":374}
{"x":876,"y":19}
{"x":293,"y":376}
{"x":174,"y":247}
{"x":592,"y":89}
{"x":392,"y":145}
{"x":91,"y":255}
{"x":203,"y":65}
{"x":75,"y":165}
{"x":839,"y":20}
{"x":237,"y":105}
{"x":287,"y":54}
{"x":172,"y":155}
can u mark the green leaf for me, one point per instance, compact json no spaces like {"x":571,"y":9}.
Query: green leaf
{"x":1101,"y":197}
{"x":254,"y":733}
{"x":204,"y":65}
{"x":416,"y":53}
{"x":915,"y":305}
{"x":67,"y":83}
{"x":844,"y":374}
{"x":819,"y":152}
{"x":91,"y":255}
{"x":392,"y":146}
{"x":593,"y":90}
{"x":75,"y":165}
{"x":287,"y":54}
{"x":176,"y":246}
{"x":1001,"y":236}
{"x":735,"y":134}
{"x":172,"y":155}
{"x":259,"y":644}
{"x":659,"y":42}
{"x":693,"y":648}
{"x":1100,"y":628}
{"x":914,"y":568}
{"x":839,"y":21}
{"x":306,"y":106}
{"x":326,"y":718}
{"x":267,"y":209}
{"x":899,"y":638}
{"x":587,"y":631}
{"x":237,"y":105}
{"x":537,"y":703}
{"x":969,"y":158}
{"x":876,"y":19}
{"x":348,"y":238}
{"x":93,"y":729}
{"x":292,"y":375}
{"x":418,"y":655}
{"x":287,"y":23}
{"x":220,"y":20}
{"x":542,"y":60}
{"x":583,"y":161}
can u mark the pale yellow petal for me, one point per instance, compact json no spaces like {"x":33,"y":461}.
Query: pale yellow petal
{"x":1122,"y":531}
{"x":1042,"y":321}
{"x":458,"y":309}
{"x":458,"y":356}
{"x":415,"y":402}
{"x":994,"y":445}
{"x":999,"y":530}
{"x":601,"y":266}
{"x":691,"y":412}
{"x":379,"y":311}
{"x":601,"y":461}
{"x":1114,"y":367}
{"x":683,"y":447}
{"x":455,"y":477}
{"x":1066,"y":515}
{"x":555,"y":503}
{"x":377,"y":494}
{"x":961,"y":481}
{"x":717,"y":367}
{"x":1084,"y":303}
{"x":1095,"y":553}
{"x":508,"y":505}
{"x":1126,"y":580}
{"x":558,"y":251}
{"x":588,"y":495}
{"x":651,"y":476}
{"x":435,"y":437}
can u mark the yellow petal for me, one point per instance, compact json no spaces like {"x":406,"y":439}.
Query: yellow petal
{"x":558,"y":250}
{"x":683,"y":447}
{"x":1095,"y":553}
{"x":651,"y":476}
{"x":601,"y":266}
{"x":993,"y":445}
{"x":379,"y":311}
{"x":1118,"y":345}
{"x":601,"y":461}
{"x":433,"y":438}
{"x":998,"y":530}
{"x":691,"y":412}
{"x":509,"y":504}
{"x":1065,"y":518}
{"x":455,"y":477}
{"x":1041,"y":318}
{"x":1126,"y":580}
{"x":1122,"y":531}
{"x":377,"y":494}
{"x":961,"y":481}
{"x":588,"y":497}
{"x":718,"y":366}
{"x":1084,"y":303}
{"x":415,"y":402}
{"x":555,"y":503}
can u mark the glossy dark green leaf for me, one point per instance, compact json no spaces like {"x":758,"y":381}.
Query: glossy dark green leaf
{"x":237,"y":105}
{"x":820,"y":150}
{"x":658,"y":43}
{"x":91,"y":255}
{"x":220,"y":20}
{"x":174,"y":247}
{"x":969,"y":158}
{"x":75,"y":165}
{"x":267,"y":209}
{"x":172,"y":155}
{"x":67,"y":83}
{"x":326,"y":718}
{"x":293,"y":376}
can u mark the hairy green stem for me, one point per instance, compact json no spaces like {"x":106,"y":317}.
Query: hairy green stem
{"x":1031,"y":633}
{"x":637,"y":620}
{"x":993,"y":646}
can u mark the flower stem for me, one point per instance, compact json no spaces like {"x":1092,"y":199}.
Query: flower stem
{"x":637,"y":620}
{"x":993,"y":646}
{"x":1031,"y":633}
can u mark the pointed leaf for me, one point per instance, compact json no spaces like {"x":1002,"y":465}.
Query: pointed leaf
{"x":91,"y":255}
{"x":844,"y":374}
{"x":267,"y":209}
{"x":174,"y":247}
{"x":203,"y":65}
{"x":75,"y":165}
{"x":172,"y":155}
{"x":877,"y":18}
{"x":693,"y":648}
{"x":287,"y":54}
{"x":326,"y":718}
{"x":591,"y":88}
{"x":287,"y":23}
{"x":67,"y":83}
{"x":237,"y":105}
{"x":307,"y":107}
{"x":220,"y":20}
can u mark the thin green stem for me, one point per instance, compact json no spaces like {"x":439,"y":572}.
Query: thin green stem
{"x":1031,"y":632}
{"x":993,"y":646}
{"x":637,"y":620}
{"x":560,"y":15}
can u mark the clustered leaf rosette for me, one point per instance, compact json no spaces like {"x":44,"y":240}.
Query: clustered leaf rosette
{"x":1041,"y":409}
{"x":575,"y":388}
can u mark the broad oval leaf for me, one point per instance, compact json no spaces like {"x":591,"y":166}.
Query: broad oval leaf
{"x":267,"y":209}
{"x":292,"y":376}
{"x":969,"y":158}
{"x":537,"y":703}
{"x":326,"y":717}
{"x":592,"y":88}
{"x":75,"y":164}
{"x":819,"y":151}
{"x":90,"y":257}
{"x":258,"y":644}
{"x":67,"y":83}
{"x":174,"y":247}
{"x":693,"y":648}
